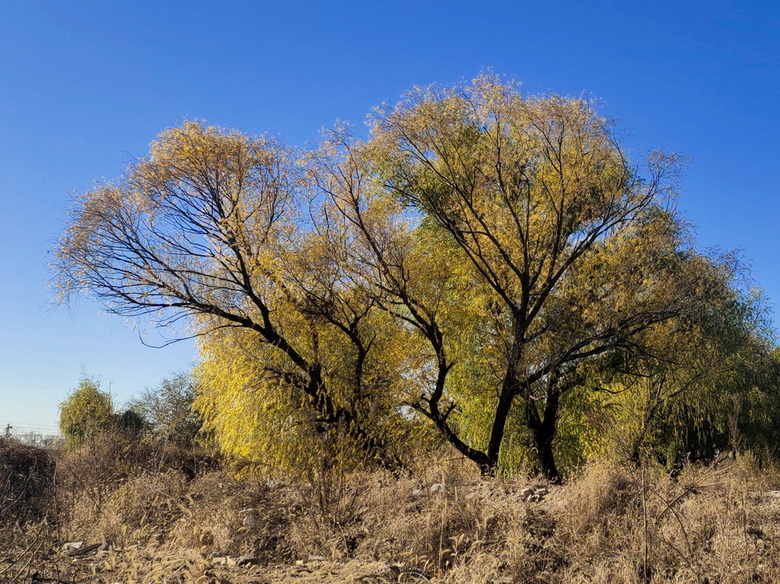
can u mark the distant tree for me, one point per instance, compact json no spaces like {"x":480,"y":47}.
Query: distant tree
{"x":85,"y":412}
{"x":167,"y":409}
{"x":131,"y":421}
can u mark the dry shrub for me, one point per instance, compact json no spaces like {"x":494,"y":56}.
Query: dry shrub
{"x":331,"y":508}
{"x":429,"y":526}
{"x":229,"y":516}
{"x":614,"y":524}
{"x":725,"y":521}
{"x":139,"y":511}
{"x":26,"y":479}
{"x":115,"y":487}
{"x":111,"y":457}
{"x":88,"y":473}
{"x":598,"y":513}
{"x":28,"y":510}
{"x":608,"y":524}
{"x":640,"y":525}
{"x":445,"y":519}
{"x":600,"y":493}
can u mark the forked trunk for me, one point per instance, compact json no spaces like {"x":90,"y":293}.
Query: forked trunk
{"x":544,"y":441}
{"x":543,"y":430}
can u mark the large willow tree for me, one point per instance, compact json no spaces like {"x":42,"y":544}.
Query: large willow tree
{"x":466,"y":265}
{"x":214,"y":227}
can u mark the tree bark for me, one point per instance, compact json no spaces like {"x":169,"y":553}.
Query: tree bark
{"x":543,"y":430}
{"x":499,"y":426}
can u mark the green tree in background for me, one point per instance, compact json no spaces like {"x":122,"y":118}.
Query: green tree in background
{"x":85,"y":412}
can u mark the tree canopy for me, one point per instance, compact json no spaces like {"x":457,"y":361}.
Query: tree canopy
{"x":167,"y":410}
{"x":85,"y":412}
{"x":479,"y":268}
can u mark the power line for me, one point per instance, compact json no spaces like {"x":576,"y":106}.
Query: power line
{"x":40,"y":428}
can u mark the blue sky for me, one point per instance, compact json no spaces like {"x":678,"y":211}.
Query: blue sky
{"x":86,"y":85}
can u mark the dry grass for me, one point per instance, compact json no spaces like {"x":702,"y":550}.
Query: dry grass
{"x":26,"y":476}
{"x":608,"y":524}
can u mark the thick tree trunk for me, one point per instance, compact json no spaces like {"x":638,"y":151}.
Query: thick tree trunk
{"x":543,"y":441}
{"x":543,"y":430}
{"x":499,"y":427}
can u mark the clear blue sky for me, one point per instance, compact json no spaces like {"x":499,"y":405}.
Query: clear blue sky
{"x":85,"y":85}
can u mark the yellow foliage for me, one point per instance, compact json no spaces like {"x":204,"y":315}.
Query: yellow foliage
{"x":481,"y":268}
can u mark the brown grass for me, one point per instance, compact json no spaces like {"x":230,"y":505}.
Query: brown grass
{"x":26,"y":476}
{"x":444,"y":523}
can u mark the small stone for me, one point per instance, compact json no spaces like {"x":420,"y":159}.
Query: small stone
{"x":83,"y":550}
{"x":73,"y":545}
{"x":417,"y":493}
{"x":316,"y":559}
{"x":247,"y":561}
{"x":249,"y":521}
{"x":436,"y":488}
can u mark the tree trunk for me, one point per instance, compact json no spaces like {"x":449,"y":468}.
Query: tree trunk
{"x":543,"y":441}
{"x":543,"y":430}
{"x":497,"y":432}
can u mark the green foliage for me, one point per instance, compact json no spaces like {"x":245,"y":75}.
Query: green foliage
{"x":688,"y":398}
{"x":86,"y":412}
{"x":131,"y":421}
{"x":753,"y":420}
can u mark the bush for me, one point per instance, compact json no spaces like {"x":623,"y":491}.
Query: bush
{"x":85,"y":412}
{"x":167,"y":410}
{"x":26,"y":480}
{"x":91,"y":474}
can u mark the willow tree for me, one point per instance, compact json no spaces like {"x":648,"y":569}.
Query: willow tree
{"x":466,"y":265}
{"x":575,"y":251}
{"x":212,"y":227}
{"x":681,"y":398}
